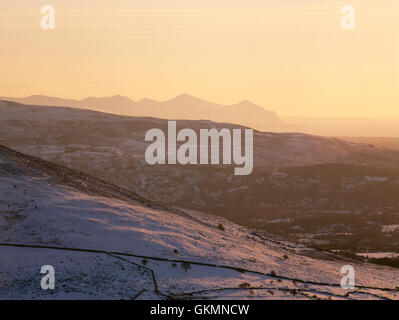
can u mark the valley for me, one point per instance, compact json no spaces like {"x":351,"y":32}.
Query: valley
{"x":108,"y":243}
{"x":324,"y":192}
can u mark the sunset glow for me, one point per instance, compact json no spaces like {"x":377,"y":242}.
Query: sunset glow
{"x":288,"y":56}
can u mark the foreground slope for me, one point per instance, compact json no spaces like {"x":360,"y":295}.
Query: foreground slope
{"x":105,"y":242}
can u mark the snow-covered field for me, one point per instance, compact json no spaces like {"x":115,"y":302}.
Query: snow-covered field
{"x":125,"y":248}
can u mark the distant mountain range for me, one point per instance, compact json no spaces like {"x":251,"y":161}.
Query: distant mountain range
{"x":183,"y":106}
{"x":246,"y":113}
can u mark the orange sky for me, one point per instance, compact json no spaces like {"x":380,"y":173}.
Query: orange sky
{"x":290,"y":56}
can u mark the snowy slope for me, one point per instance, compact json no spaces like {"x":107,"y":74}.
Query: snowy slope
{"x":127,"y":247}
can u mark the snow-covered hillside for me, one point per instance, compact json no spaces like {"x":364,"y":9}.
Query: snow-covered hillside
{"x":106,"y":242}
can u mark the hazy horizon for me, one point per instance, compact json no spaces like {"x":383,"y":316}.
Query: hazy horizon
{"x":168,"y":98}
{"x":186,"y":106}
{"x":292,"y":57}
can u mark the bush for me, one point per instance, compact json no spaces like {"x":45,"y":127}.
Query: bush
{"x":185,"y":265}
{"x":239,"y":270}
{"x":220,"y":227}
{"x":271,"y":292}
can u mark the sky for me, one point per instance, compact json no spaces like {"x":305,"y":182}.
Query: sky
{"x":290,"y":56}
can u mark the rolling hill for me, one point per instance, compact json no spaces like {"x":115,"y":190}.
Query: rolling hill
{"x":328,"y":192}
{"x":107,"y":242}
